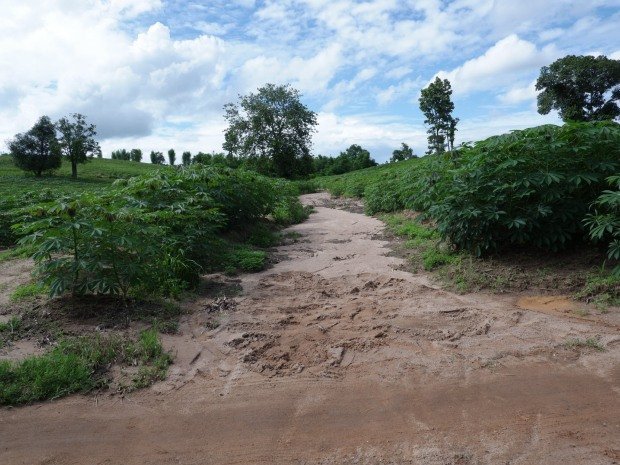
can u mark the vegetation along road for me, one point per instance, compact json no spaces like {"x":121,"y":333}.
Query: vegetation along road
{"x":337,"y":355}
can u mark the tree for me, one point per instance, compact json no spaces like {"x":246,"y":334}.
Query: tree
{"x":135,"y":155}
{"x":172,"y":156}
{"x":272,"y":129}
{"x":404,"y":153}
{"x":37,"y":150}
{"x":186,"y":158}
{"x":77,"y":140}
{"x":437,"y":107}
{"x":353,"y":158}
{"x":121,"y":154}
{"x":581,"y":88}
{"x":157,"y":158}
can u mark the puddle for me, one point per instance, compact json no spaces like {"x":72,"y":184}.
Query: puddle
{"x":557,"y":303}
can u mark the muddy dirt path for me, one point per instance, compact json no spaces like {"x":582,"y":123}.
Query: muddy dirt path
{"x":334,"y":356}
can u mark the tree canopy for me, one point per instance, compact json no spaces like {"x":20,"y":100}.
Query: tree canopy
{"x":404,"y":153}
{"x":273,"y":130}
{"x":157,"y":158}
{"x":436,"y":104}
{"x":581,"y":88}
{"x":37,"y":150}
{"x":77,"y":140}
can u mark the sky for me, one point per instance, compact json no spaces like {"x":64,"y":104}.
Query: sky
{"x":155,"y":74}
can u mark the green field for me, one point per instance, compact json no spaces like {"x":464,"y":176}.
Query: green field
{"x":97,"y":173}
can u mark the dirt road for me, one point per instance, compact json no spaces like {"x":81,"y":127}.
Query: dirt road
{"x":334,"y":356}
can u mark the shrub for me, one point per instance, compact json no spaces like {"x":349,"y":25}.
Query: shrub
{"x":530,"y":187}
{"x":155,"y":233}
{"x":604,"y":223}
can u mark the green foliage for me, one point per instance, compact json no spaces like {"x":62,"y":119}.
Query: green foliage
{"x":77,"y":140}
{"x":436,"y":104}
{"x":152,"y":234}
{"x":17,"y":191}
{"x":28,"y":291}
{"x":604,"y":223}
{"x":186,"y":158}
{"x":121,"y":154}
{"x":157,"y":158}
{"x":172,"y":157}
{"x":352,"y":159}
{"x":581,"y":88}
{"x":529,"y":188}
{"x":135,"y":155}
{"x":246,"y":259}
{"x":404,"y":153}
{"x":272,"y":129}
{"x":37,"y":150}
{"x":42,"y":377}
{"x":78,"y":365}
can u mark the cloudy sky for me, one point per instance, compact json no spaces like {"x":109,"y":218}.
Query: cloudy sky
{"x":155,"y":74}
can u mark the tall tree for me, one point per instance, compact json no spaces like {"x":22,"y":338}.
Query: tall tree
{"x":404,"y":153}
{"x":37,"y":150}
{"x":135,"y":155}
{"x":581,"y":88}
{"x":272,"y":129}
{"x":157,"y":158}
{"x":186,"y":158}
{"x":172,"y":157}
{"x":436,"y":104}
{"x":77,"y":140}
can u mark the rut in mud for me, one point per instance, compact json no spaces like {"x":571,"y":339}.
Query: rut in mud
{"x":336,"y":356}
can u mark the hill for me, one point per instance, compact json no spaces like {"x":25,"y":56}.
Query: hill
{"x":97,"y":173}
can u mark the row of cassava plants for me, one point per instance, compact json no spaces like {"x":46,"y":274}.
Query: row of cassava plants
{"x":548,"y":187}
{"x":153,"y":233}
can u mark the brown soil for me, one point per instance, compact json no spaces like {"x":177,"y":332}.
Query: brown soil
{"x":335,"y":356}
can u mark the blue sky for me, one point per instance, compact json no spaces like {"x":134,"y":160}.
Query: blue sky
{"x":155,"y":74}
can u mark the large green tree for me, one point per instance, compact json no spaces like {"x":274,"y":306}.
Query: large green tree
{"x":581,"y":88}
{"x":273,"y":130}
{"x":172,"y":157}
{"x":77,"y":140}
{"x":436,"y":104}
{"x":37,"y":150}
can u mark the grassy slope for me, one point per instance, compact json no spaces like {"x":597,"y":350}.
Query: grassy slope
{"x":92,"y":175}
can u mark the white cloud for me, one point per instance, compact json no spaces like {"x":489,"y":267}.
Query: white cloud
{"x":519,"y":94}
{"x":499,"y":65}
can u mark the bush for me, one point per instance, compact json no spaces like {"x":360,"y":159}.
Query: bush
{"x":604,"y":223}
{"x":153,"y":234}
{"x":531,"y":187}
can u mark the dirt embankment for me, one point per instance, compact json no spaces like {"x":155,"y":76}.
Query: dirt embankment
{"x":335,"y":356}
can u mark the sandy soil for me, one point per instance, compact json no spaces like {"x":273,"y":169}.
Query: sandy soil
{"x":334,"y":356}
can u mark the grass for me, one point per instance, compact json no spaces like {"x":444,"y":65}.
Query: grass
{"x":13,"y":253}
{"x":81,"y":364}
{"x":97,"y":173}
{"x":28,"y":291}
{"x":421,"y":240}
{"x":590,"y":343}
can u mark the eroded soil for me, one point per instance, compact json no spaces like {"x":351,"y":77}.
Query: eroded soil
{"x":337,"y":356}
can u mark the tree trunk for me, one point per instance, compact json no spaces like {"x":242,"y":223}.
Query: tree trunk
{"x":73,"y":169}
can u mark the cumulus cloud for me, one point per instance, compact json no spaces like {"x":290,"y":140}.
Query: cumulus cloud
{"x":157,"y":72}
{"x":499,"y":65}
